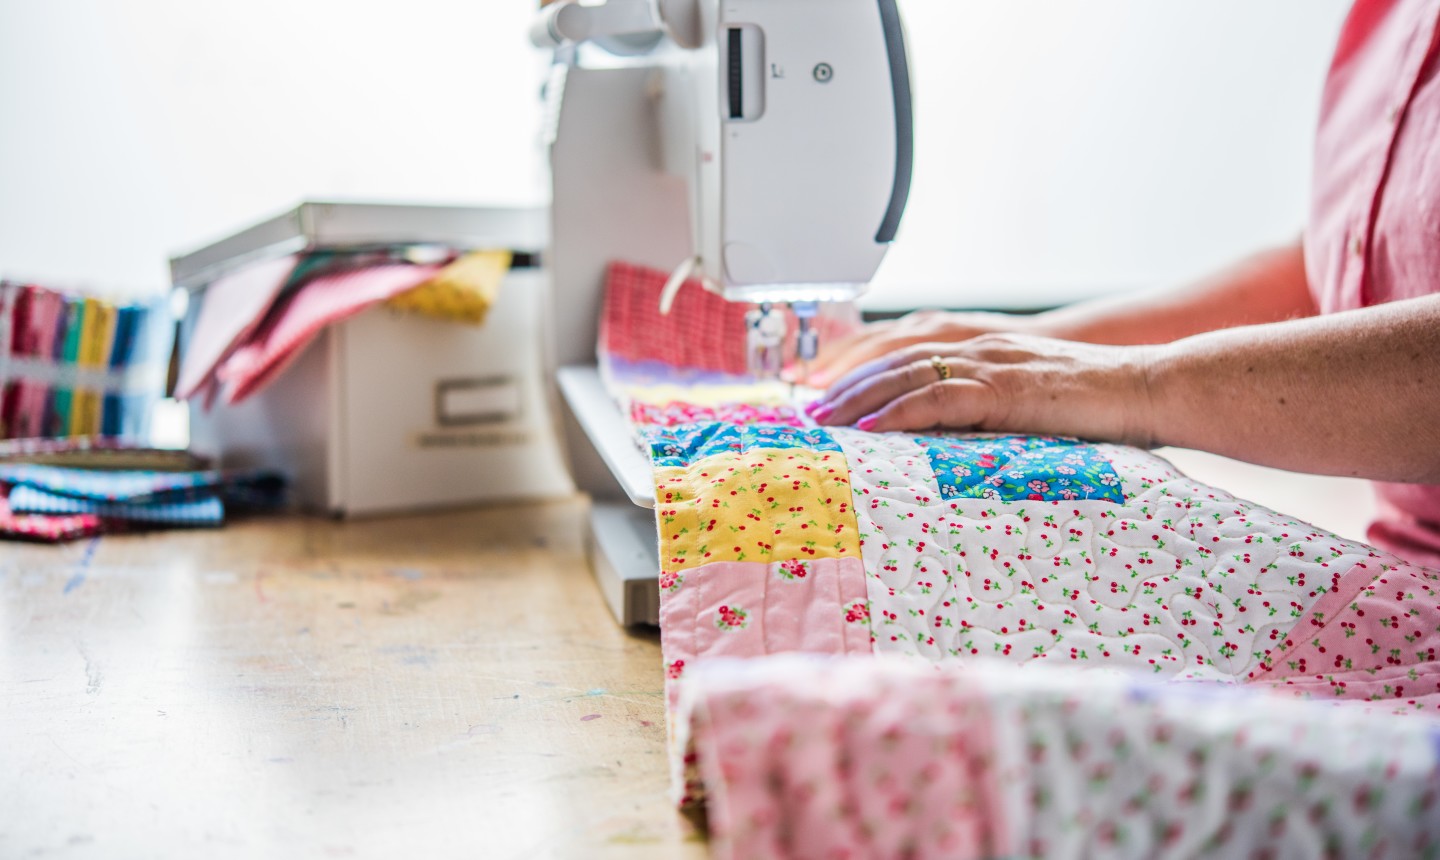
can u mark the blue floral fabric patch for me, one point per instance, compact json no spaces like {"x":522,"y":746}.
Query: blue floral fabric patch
{"x":685,"y":443}
{"x":1020,"y":468}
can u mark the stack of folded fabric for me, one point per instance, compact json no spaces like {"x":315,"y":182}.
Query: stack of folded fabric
{"x":55,"y":503}
{"x":79,"y":366}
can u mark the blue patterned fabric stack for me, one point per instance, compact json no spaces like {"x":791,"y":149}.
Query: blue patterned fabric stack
{"x":138,"y":497}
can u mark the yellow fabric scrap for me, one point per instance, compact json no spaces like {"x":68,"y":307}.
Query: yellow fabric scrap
{"x":462,"y":291}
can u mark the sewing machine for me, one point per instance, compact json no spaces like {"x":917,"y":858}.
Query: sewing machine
{"x":761,"y":146}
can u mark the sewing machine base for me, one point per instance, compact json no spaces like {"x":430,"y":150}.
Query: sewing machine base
{"x":626,"y":561}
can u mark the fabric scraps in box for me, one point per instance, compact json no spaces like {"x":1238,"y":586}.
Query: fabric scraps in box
{"x":463,"y":291}
{"x":232,"y":307}
{"x":254,"y":322}
{"x":299,"y":318}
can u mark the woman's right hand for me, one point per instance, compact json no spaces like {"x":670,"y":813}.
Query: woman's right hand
{"x":873,"y":340}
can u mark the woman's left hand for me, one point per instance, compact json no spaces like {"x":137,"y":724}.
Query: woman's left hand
{"x":999,"y":382}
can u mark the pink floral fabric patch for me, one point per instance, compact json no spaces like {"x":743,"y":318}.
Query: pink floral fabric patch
{"x":677,"y":412}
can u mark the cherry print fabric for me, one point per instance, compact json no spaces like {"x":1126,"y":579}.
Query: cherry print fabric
{"x":675,"y":412}
{"x":876,"y":758}
{"x":753,"y":609}
{"x":1146,"y":575}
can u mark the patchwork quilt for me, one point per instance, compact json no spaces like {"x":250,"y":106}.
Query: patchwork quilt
{"x":960,"y":550}
{"x":990,"y":627}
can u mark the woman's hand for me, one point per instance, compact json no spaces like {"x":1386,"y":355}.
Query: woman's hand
{"x":1012,"y":383}
{"x":879,"y":339}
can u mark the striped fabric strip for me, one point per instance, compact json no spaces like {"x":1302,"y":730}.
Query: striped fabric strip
{"x":45,"y":528}
{"x":201,"y":512}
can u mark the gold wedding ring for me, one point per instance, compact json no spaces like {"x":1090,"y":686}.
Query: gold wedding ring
{"x":940,"y":367}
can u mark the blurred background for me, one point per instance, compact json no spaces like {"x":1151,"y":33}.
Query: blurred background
{"x":1063,"y":149}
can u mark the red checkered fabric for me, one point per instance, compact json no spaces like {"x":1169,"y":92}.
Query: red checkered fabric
{"x":702,"y":330}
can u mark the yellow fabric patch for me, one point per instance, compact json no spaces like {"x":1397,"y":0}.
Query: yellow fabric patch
{"x":767,"y":504}
{"x":462,"y":291}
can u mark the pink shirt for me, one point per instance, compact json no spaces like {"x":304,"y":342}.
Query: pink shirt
{"x":1374,"y":231}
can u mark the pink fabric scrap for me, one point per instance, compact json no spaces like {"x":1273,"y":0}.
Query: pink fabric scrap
{"x":231,"y":308}
{"x":678,"y":412}
{"x":1372,"y":637}
{"x":290,"y":327}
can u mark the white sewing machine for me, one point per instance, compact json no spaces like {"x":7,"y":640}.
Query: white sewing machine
{"x":763,"y":146}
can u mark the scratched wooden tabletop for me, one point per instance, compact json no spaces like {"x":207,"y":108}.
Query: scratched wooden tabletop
{"x":428,"y":686}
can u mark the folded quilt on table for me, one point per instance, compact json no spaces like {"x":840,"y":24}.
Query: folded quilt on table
{"x":886,"y":758}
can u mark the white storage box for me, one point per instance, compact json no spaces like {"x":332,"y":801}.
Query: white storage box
{"x":388,"y":410}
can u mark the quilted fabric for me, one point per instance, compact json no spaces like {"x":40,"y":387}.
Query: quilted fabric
{"x":1050,"y":554}
{"x":685,"y":444}
{"x":876,"y":758}
{"x":673,"y":413}
{"x":1180,"y":580}
{"x":762,"y":505}
{"x":1015,"y":468}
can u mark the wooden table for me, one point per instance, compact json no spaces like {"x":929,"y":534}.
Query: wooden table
{"x":428,"y":686}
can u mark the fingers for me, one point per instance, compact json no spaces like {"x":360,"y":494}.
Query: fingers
{"x":890,"y":361}
{"x":958,"y":404}
{"x":846,"y":357}
{"x":875,"y":389}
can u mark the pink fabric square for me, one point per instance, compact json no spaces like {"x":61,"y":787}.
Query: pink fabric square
{"x":846,"y":759}
{"x":1372,"y":637}
{"x":750,"y":609}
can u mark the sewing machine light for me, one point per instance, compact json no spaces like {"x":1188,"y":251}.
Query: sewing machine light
{"x":790,"y":294}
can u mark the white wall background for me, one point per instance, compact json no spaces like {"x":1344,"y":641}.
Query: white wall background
{"x":1069,"y":148}
{"x":1065,"y":147}
{"x":132,"y":130}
